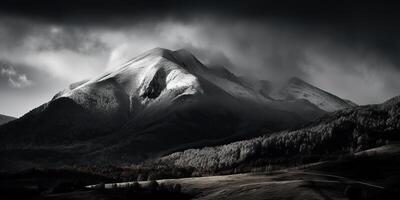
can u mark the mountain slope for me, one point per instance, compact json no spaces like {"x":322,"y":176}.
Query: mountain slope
{"x":158,"y":102}
{"x":296,"y":88}
{"x":4,"y":119}
{"x":341,"y":132}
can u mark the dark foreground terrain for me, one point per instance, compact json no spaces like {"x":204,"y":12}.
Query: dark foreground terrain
{"x":371,"y":174}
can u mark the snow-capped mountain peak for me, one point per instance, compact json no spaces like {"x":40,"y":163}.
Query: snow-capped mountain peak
{"x":161,"y":76}
{"x":158,"y":76}
{"x":155,"y":77}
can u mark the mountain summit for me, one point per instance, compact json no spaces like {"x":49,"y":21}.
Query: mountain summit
{"x":155,"y":103}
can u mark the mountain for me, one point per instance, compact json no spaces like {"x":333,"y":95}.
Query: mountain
{"x":339,"y":133}
{"x":4,"y":119}
{"x":159,"y":102}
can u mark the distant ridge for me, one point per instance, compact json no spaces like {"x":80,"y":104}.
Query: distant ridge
{"x":295,"y":88}
{"x":4,"y":119}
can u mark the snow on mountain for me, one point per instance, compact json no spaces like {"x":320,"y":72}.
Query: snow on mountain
{"x":296,"y":88}
{"x":156,"y":77}
{"x":160,"y":76}
{"x":149,"y":79}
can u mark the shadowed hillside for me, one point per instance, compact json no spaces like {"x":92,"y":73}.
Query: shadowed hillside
{"x":340,"y":133}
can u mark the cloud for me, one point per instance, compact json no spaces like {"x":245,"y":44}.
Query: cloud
{"x":67,"y":53}
{"x":8,"y":71}
{"x":19,"y":81}
{"x":14,"y":79}
{"x":363,"y":78}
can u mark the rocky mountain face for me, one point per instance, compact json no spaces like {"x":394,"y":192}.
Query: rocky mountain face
{"x":339,"y":133}
{"x":161,"y":101}
{"x":4,"y":119}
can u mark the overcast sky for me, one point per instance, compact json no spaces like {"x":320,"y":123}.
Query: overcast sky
{"x":350,"y":50}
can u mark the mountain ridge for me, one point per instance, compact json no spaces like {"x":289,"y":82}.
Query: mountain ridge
{"x":5,"y":119}
{"x":296,"y":88}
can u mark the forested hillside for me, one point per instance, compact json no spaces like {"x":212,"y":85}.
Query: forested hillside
{"x":340,"y":133}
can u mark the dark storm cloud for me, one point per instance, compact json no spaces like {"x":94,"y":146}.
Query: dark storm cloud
{"x":62,"y":10}
{"x":356,"y":24}
{"x":15,"y":30}
{"x":349,"y":49}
